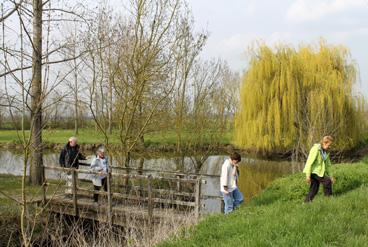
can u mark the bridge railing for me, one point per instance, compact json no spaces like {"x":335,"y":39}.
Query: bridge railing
{"x":120,"y":187}
{"x":207,"y":198}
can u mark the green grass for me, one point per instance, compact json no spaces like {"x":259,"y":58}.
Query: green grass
{"x":277,"y":216}
{"x":12,"y":186}
{"x":90,"y":136}
{"x":10,"y":210}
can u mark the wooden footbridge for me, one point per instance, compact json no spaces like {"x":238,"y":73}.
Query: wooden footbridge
{"x":145,"y":196}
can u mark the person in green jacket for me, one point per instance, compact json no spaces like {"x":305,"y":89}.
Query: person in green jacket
{"x":318,"y":169}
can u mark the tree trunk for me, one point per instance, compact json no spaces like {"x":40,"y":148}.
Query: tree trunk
{"x":36,"y":170}
{"x":140,"y":172}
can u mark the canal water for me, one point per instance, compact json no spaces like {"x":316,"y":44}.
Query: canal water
{"x":255,"y":174}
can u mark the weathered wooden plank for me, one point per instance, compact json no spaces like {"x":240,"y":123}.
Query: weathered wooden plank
{"x":197,"y":206}
{"x":44,"y":185}
{"x":182,"y":180}
{"x":150,"y":203}
{"x":164,"y":191}
{"x":109,"y":197}
{"x":174,"y":202}
{"x":87,"y":192}
{"x":74,"y":190}
{"x":161,"y":171}
{"x":122,"y":175}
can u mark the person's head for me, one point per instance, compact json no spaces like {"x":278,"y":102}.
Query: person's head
{"x":73,"y":141}
{"x":326,"y":142}
{"x":235,"y":158}
{"x":101,"y":151}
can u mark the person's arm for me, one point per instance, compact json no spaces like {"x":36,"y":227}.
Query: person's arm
{"x":81,"y":156}
{"x":311,"y":158}
{"x":62,"y":158}
{"x":224,"y":176}
{"x":236,"y":170}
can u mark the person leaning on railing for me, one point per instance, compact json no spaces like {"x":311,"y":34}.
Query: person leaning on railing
{"x":100,"y":164}
{"x":69,"y":158}
{"x":71,"y":154}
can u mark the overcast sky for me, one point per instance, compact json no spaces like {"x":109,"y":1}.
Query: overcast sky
{"x":235,"y":24}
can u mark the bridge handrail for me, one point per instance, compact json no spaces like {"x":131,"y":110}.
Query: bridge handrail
{"x":158,"y":171}
{"x":122,"y":175}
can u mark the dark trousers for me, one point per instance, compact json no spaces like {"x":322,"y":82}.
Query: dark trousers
{"x":314,"y":187}
{"x":104,"y":185}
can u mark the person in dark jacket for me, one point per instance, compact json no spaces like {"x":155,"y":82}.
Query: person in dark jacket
{"x":70,"y":155}
{"x":69,"y":158}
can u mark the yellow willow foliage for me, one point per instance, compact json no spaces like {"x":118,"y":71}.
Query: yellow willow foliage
{"x":293,"y":97}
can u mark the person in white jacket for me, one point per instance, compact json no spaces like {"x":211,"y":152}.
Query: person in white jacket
{"x":229,"y":183}
{"x":100,"y":164}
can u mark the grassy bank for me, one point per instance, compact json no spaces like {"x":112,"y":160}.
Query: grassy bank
{"x":277,"y":217}
{"x":10,"y":210}
{"x":12,"y":186}
{"x":91,"y":136}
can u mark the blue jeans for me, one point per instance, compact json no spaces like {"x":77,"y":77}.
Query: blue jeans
{"x":232,"y":200}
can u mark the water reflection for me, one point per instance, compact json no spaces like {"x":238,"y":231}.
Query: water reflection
{"x":257,"y":175}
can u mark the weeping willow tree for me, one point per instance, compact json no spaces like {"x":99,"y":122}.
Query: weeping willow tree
{"x":290,"y":98}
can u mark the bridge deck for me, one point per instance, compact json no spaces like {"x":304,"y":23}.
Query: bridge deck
{"x":121,"y":212}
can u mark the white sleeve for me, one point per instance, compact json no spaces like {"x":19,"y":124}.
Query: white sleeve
{"x":94,"y":165}
{"x":224,"y":175}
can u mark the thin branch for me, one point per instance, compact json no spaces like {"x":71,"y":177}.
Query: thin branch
{"x":66,"y":11}
{"x":45,"y":63}
{"x":25,"y":29}
{"x":4,"y":17}
{"x":12,"y":51}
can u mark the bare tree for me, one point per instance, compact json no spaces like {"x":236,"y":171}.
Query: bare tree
{"x":21,"y":87}
{"x":139,"y":70}
{"x":189,"y":49}
{"x":72,"y":49}
{"x":36,"y":170}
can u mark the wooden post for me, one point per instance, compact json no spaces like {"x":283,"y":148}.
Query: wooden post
{"x":178,"y":183}
{"x":150,"y":205}
{"x":74,"y":184}
{"x":109,"y":198}
{"x":197,"y":191}
{"x":44,"y":192}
